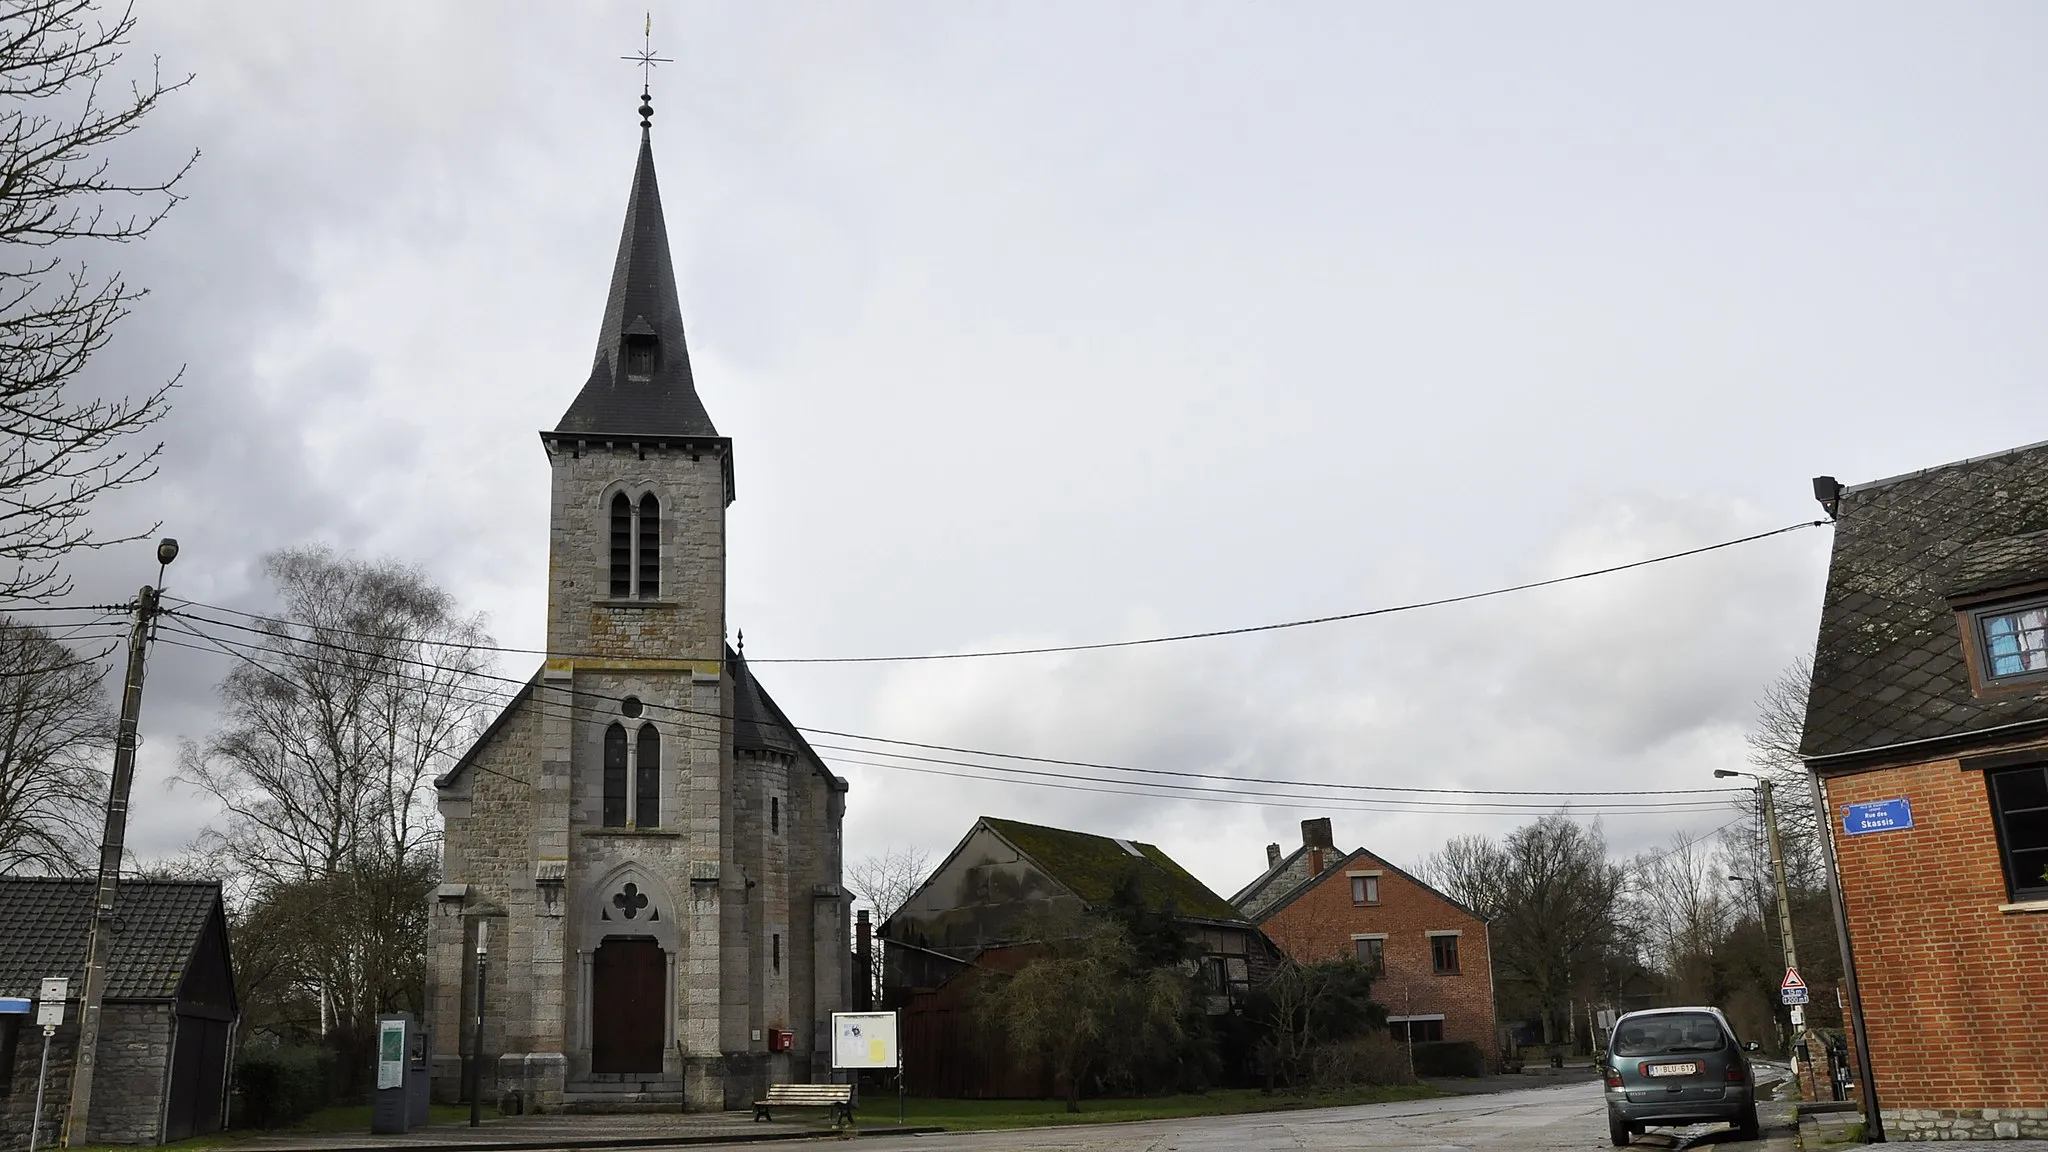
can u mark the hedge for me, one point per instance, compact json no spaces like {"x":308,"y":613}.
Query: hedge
{"x":281,"y":1085}
{"x":1449,"y":1058}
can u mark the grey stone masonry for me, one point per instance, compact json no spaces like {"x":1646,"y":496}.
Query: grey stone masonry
{"x":730,"y":865}
{"x":1966,"y":1123}
{"x":128,"y":1088}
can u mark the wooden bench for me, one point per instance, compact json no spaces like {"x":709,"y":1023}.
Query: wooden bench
{"x":835,"y":1099}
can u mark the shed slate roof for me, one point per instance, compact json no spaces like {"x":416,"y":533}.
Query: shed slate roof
{"x":157,"y":926}
{"x":1889,"y":666}
{"x":1089,"y":866}
{"x":755,"y":727}
{"x":643,"y":300}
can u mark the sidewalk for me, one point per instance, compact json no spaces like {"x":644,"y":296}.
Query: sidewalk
{"x":523,"y":1133}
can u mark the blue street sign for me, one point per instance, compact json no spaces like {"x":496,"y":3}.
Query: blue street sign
{"x":1793,"y":995}
{"x":1879,"y":816}
{"x":15,"y":1005}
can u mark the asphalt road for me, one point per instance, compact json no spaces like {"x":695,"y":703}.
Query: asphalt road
{"x":1571,"y":1116}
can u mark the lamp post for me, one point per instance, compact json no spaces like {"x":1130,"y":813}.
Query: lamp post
{"x":1763,"y":788}
{"x":476,"y":1035}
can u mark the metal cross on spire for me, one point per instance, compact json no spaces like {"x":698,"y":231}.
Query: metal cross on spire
{"x":647,"y":60}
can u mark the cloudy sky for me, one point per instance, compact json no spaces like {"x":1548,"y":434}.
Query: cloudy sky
{"x":1059,"y":322}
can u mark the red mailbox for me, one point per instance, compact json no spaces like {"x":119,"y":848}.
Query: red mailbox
{"x":781,"y":1040}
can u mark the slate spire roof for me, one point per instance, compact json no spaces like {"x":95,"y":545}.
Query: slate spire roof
{"x":642,"y":311}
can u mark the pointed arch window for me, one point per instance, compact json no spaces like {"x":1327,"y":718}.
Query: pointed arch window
{"x":635,"y":547}
{"x":647,"y":779}
{"x":615,"y":776}
{"x":622,"y":547}
{"x":650,"y":547}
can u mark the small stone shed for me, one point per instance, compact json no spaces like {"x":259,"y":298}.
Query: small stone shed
{"x":167,"y":1021}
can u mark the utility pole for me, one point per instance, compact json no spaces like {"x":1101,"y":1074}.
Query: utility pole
{"x":1763,"y":788}
{"x":78,"y":1117}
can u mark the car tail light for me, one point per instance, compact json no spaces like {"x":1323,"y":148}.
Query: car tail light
{"x":1735,"y":1073}
{"x":1613,"y":1077}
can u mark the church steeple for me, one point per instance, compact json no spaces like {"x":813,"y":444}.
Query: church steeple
{"x":640,"y":383}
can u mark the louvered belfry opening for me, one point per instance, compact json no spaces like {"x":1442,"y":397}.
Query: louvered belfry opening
{"x":622,"y":547}
{"x":650,"y":547}
{"x":647,"y":779}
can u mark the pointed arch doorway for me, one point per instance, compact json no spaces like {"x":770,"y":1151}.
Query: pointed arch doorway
{"x":628,"y":999}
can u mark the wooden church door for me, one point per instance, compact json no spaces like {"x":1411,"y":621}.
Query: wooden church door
{"x":627,"y":1003}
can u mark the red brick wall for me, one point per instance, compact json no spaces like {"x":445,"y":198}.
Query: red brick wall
{"x":1318,"y":925}
{"x":1955,"y":992}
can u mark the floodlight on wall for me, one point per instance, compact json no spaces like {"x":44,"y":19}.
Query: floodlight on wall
{"x":1828,"y":491}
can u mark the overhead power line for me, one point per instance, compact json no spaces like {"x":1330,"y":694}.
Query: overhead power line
{"x":1561,"y":798}
{"x":1097,"y":646}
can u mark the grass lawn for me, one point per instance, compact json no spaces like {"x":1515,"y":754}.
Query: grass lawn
{"x":356,"y":1118}
{"x":974,"y":1115}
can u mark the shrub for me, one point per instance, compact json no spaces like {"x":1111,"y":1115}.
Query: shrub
{"x":1449,"y":1058}
{"x":281,"y":1085}
{"x":1373,"y":1059}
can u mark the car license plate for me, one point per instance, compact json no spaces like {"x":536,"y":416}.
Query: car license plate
{"x":1674,"y":1069}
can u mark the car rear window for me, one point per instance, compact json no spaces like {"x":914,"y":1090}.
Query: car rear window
{"x":1668,"y":1032}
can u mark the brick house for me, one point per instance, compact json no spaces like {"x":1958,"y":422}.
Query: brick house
{"x":165,"y":1022}
{"x":1927,"y":736}
{"x":1436,"y":965}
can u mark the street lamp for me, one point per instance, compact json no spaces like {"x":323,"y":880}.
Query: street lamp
{"x":1763,"y":788}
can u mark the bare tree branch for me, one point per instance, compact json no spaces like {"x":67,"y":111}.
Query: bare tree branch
{"x":59,"y":452}
{"x":55,"y":730}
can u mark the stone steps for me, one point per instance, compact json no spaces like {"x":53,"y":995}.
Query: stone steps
{"x":622,"y":1096}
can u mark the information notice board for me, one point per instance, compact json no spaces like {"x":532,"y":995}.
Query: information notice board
{"x":864,"y":1040}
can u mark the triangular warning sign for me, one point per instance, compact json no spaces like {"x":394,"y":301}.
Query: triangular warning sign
{"x":1792,"y":979}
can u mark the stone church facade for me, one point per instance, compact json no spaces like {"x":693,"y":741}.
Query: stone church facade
{"x":654,"y":848}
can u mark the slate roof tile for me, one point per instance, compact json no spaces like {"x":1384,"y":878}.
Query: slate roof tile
{"x":157,"y":924}
{"x":1889,"y":665}
{"x":643,"y":299}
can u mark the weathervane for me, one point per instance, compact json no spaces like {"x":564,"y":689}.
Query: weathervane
{"x":647,"y":60}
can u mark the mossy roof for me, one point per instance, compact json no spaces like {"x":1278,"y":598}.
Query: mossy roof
{"x":1090,"y":866}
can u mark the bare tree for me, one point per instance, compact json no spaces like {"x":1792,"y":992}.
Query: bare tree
{"x":1774,"y":753}
{"x":1680,"y":899}
{"x":884,"y":880}
{"x":1552,"y":898}
{"x":335,"y":724}
{"x":59,"y":452}
{"x":55,"y":728}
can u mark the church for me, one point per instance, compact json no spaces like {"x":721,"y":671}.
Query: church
{"x":645,"y":846}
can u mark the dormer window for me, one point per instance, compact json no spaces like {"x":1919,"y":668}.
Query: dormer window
{"x":643,"y":355}
{"x":2015,"y":642}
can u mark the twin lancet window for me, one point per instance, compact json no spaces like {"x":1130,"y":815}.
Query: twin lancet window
{"x":637,"y":763}
{"x":636,"y":547}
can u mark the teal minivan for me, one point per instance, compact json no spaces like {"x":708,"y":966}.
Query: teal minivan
{"x":1677,"y":1066}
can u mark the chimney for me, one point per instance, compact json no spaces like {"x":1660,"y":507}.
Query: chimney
{"x":1315,"y":836}
{"x":1272,"y":855}
{"x":864,"y":962}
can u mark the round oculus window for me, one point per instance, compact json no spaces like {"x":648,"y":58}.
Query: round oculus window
{"x":630,"y":706}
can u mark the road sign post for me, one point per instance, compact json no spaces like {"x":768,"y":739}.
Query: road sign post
{"x":50,"y":1014}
